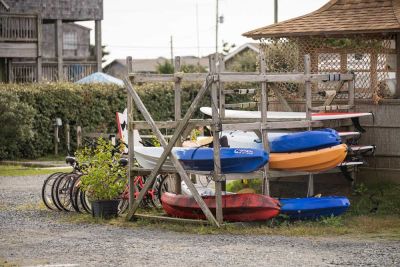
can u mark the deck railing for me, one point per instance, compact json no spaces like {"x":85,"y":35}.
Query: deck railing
{"x":18,"y":28}
{"x":22,"y":72}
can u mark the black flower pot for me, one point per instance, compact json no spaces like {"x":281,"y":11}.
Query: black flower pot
{"x":105,"y":209}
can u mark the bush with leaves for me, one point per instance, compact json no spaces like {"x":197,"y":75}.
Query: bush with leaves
{"x":104,"y":178}
{"x":33,"y":108}
{"x":16,"y":130}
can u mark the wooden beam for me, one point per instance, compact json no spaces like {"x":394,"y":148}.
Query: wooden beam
{"x":98,"y":44}
{"x":264,"y":133}
{"x":39,"y":50}
{"x":307,"y":71}
{"x":167,"y":150}
{"x":59,"y":49}
{"x":215,"y":128}
{"x":178,"y":115}
{"x":185,"y":77}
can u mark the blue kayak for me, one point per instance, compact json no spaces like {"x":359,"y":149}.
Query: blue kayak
{"x":233,"y":160}
{"x":305,"y":141}
{"x":314,"y":207}
{"x":286,"y":142}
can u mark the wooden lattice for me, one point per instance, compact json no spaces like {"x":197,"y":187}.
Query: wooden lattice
{"x":369,"y":58}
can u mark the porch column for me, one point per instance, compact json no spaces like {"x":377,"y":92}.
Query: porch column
{"x":99,"y":53}
{"x":59,"y":49}
{"x":39,"y":50}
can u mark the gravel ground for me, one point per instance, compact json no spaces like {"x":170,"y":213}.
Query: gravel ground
{"x":30,"y":236}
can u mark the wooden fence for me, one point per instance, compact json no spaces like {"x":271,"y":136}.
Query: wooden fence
{"x":16,"y":28}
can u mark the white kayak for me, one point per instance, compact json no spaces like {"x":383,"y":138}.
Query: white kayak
{"x":243,"y":114}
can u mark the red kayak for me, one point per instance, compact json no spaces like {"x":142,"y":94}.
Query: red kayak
{"x":235,"y":207}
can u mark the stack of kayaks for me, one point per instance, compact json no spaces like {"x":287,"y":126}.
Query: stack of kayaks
{"x":255,"y":207}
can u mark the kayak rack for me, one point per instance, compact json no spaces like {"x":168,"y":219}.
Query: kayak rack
{"x":213,"y":83}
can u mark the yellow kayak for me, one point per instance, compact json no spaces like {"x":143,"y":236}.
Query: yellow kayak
{"x":309,"y":161}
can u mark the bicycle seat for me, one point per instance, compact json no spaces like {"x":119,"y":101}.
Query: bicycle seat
{"x":70,"y":160}
{"x":123,"y":162}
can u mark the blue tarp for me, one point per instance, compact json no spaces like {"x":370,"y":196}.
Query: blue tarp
{"x":100,"y":77}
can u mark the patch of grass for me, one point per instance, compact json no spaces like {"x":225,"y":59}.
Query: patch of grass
{"x":387,"y":227}
{"x":18,"y":170}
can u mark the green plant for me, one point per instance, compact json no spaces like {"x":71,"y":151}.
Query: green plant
{"x":105,"y":178}
{"x":165,"y":68}
{"x":334,"y":221}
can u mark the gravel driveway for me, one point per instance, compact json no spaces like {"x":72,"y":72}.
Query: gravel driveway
{"x":30,"y":236}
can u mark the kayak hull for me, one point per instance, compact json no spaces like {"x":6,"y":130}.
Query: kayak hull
{"x":285,"y":142}
{"x":309,"y":161}
{"x":233,"y":160}
{"x":314,"y":208}
{"x":235,"y":208}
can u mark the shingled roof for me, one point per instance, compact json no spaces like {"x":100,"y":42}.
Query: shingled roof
{"x":338,"y":17}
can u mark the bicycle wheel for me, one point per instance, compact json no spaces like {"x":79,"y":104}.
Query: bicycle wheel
{"x":47,"y":191}
{"x":54,"y":191}
{"x":63,"y":188}
{"x":159,"y":184}
{"x":162,"y":186}
{"x":84,"y":200}
{"x":74,"y":195}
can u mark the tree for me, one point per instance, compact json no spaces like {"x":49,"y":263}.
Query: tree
{"x":226,"y":47}
{"x":165,"y":68}
{"x":244,"y":62}
{"x":92,"y":50}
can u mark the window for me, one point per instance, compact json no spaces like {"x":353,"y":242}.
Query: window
{"x":70,"y":41}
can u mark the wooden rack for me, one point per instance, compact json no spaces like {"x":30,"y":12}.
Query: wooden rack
{"x":213,"y":82}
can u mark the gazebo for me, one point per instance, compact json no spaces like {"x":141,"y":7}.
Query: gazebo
{"x":357,"y":36}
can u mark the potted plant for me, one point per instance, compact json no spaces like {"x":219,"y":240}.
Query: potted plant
{"x":104,"y":177}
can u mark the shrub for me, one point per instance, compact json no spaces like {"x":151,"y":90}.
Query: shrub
{"x":91,"y":106}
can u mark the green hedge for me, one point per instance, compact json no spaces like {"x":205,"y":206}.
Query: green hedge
{"x":27,"y":111}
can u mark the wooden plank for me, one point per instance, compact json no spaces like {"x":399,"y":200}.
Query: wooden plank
{"x":264,"y":133}
{"x":271,"y":125}
{"x":185,"y":77}
{"x":240,"y":91}
{"x":170,"y":219}
{"x":131,"y":149}
{"x":216,"y":129}
{"x":331,"y":107}
{"x":307,"y":71}
{"x":18,"y":50}
{"x":299,"y":78}
{"x":167,"y":149}
{"x":178,"y":115}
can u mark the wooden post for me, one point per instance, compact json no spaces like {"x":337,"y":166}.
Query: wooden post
{"x":397,"y":93}
{"x":374,"y":72}
{"x":307,"y":71}
{"x":131,"y":141}
{"x":99,"y":48}
{"x":168,"y":148}
{"x":216,"y":128}
{"x":67,"y":137}
{"x":264,"y":133}
{"x":221,"y":95}
{"x":178,"y":116}
{"x":78,"y":136}
{"x":39,"y":50}
{"x":59,"y":49}
{"x":56,"y":140}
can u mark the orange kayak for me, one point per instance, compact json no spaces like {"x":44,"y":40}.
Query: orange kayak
{"x":309,"y":161}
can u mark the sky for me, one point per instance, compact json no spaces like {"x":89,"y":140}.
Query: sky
{"x":143,"y":29}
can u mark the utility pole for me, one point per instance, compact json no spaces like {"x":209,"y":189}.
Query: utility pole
{"x":275,"y":11}
{"x":198,"y":34}
{"x":172,"y":52}
{"x":216,"y":27}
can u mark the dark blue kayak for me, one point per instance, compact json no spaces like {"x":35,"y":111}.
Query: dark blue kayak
{"x":233,"y":160}
{"x":305,"y":141}
{"x":314,"y":207}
